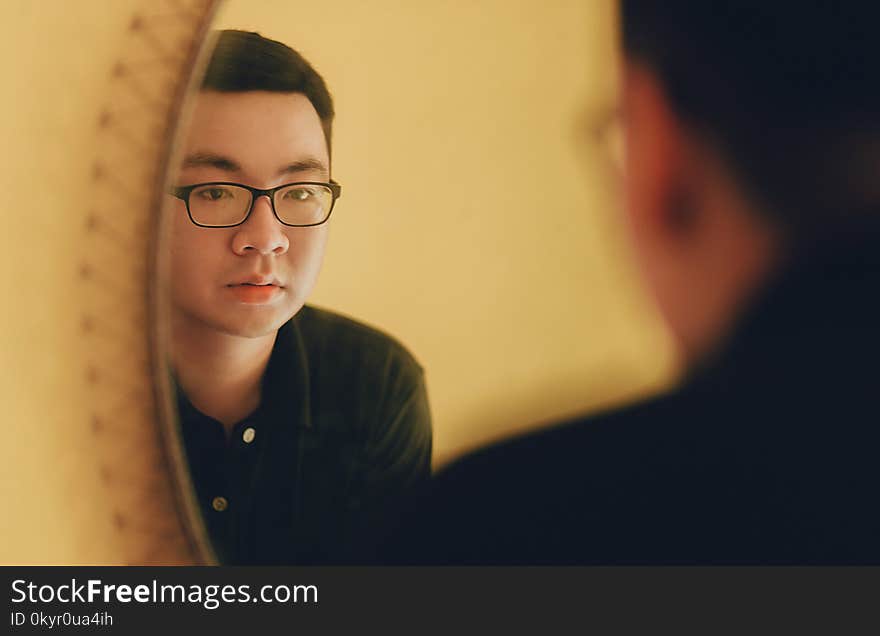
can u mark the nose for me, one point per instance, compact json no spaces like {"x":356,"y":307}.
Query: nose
{"x":262,"y":233}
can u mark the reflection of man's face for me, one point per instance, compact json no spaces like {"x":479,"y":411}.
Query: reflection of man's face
{"x":260,"y":139}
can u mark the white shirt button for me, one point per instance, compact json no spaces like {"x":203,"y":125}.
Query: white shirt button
{"x":248,"y":435}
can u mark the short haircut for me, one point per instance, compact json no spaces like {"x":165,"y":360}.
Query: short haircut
{"x":787,"y":91}
{"x":246,"y":61}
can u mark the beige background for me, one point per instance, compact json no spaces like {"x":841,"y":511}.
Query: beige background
{"x":478,"y":225}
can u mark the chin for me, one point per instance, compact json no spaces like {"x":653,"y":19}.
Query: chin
{"x":249,"y":331}
{"x":260,"y":323}
{"x":240,"y":320}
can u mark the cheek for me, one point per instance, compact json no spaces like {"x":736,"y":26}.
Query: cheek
{"x":195,"y":257}
{"x":637,"y":228}
{"x":642,"y":212}
{"x":651,"y":255}
{"x":661,"y":277}
{"x":306,"y":252}
{"x":184,"y":250}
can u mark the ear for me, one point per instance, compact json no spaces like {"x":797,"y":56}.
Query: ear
{"x":655,"y":162}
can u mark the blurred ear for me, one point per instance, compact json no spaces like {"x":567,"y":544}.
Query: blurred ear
{"x":656,"y":182}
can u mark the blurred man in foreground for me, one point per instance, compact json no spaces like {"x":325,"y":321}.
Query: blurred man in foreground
{"x":753,"y":196}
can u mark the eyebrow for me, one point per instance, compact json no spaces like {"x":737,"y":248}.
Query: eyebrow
{"x":211,"y":160}
{"x":303,"y":165}
{"x":221,"y":162}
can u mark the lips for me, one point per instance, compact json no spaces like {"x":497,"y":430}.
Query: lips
{"x":256,"y":290}
{"x":257,"y":281}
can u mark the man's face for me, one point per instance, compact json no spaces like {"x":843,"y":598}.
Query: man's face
{"x":260,"y":139}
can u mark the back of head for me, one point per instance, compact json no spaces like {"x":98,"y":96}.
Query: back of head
{"x":245,"y":61}
{"x":786,"y":91}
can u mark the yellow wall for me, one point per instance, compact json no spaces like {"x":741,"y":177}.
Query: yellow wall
{"x":476,"y":225}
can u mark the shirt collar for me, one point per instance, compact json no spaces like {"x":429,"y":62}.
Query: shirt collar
{"x":286,"y":383}
{"x":286,"y":388}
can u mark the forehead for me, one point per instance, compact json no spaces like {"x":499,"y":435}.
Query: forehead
{"x":259,"y":130}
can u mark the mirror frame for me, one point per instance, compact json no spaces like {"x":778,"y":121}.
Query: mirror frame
{"x":141,"y":461}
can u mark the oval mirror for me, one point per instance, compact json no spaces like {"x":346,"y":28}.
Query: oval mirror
{"x":476,"y":230}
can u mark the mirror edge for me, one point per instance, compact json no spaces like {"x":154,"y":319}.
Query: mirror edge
{"x":189,"y":512}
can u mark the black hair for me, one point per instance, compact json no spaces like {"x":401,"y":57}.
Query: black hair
{"x":247,"y":61}
{"x":787,"y":91}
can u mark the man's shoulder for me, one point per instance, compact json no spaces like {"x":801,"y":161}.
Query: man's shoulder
{"x":721,"y":470}
{"x":583,"y":490}
{"x":579,"y":443}
{"x":526,"y":499}
{"x":335,"y":336}
{"x":361,"y":380}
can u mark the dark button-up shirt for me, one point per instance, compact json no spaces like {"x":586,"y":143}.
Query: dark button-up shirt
{"x":766,"y":454}
{"x":341,"y":438}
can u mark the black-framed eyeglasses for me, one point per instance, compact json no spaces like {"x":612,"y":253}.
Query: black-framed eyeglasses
{"x":222,"y":204}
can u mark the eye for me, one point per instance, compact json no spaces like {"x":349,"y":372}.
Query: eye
{"x":214,"y":193}
{"x":299,"y":194}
